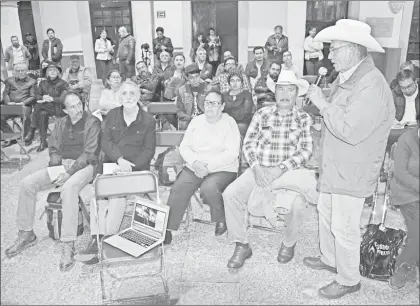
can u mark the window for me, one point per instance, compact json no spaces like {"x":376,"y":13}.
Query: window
{"x":413,"y":52}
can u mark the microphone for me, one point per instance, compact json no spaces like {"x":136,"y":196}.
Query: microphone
{"x":322,"y":72}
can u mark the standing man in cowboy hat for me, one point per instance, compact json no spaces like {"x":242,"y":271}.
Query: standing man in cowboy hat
{"x":278,"y":140}
{"x":357,"y":119}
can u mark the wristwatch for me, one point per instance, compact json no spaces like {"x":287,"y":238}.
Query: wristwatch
{"x":283,"y":167}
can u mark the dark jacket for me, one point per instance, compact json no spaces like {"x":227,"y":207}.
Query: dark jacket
{"x":207,"y":71}
{"x":126,"y":49}
{"x":148,"y":85}
{"x":20,"y":91}
{"x":399,"y":101}
{"x":239,"y":109}
{"x":264,"y":94}
{"x":135,"y":143}
{"x":56,"y":89}
{"x":159,"y":42}
{"x":33,"y":50}
{"x":185,"y":103}
{"x":251,"y":70}
{"x":91,"y":147}
{"x":56,"y":50}
{"x":162,"y":76}
{"x":272,"y":43}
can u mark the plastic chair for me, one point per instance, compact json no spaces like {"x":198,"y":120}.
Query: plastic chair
{"x":122,"y":185}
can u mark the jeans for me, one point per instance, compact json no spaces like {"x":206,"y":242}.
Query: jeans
{"x":236,"y":198}
{"x":105,"y":67}
{"x":312,"y":67}
{"x":211,"y":188}
{"x":39,"y":181}
{"x":127,"y":70}
{"x":111,"y":214}
{"x":339,"y":235}
{"x":410,"y":253}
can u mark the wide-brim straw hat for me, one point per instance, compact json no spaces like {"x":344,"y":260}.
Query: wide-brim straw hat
{"x":288,"y":77}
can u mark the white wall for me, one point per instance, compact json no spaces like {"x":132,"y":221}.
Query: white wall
{"x":172,"y":23}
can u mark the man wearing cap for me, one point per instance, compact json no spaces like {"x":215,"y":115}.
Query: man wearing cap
{"x":278,"y":143}
{"x":79,"y":78}
{"x":357,"y":118}
{"x":32,"y":45}
{"x":49,"y":103}
{"x":221,"y":68}
{"x":52,"y":48}
{"x":16,"y":53}
{"x":190,"y":98}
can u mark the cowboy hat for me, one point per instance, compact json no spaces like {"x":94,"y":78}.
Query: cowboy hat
{"x":353,"y":31}
{"x":288,"y":77}
{"x":52,"y":65}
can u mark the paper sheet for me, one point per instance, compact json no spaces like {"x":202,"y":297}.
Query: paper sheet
{"x":111,"y":168}
{"x":55,"y":171}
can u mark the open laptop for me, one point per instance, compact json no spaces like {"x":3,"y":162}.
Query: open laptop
{"x":147,"y":230}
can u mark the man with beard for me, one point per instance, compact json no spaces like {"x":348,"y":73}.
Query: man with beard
{"x":265,"y":87}
{"x":16,"y":53}
{"x":32,"y":46}
{"x":221,"y":82}
{"x":49,"y":98}
{"x":147,"y":83}
{"x":257,"y":68}
{"x":221,"y":68}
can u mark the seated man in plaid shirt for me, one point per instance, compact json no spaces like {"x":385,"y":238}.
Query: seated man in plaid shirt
{"x":221,"y":83}
{"x":278,"y":140}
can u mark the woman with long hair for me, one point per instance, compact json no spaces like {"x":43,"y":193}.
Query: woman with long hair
{"x":105,"y":49}
{"x":214,"y":45}
{"x":178,"y":78}
{"x":109,"y":98}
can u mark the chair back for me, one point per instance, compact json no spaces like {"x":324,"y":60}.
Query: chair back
{"x":124,"y":184}
{"x":162,"y":108}
{"x":169,"y":138}
{"x":14,"y":109}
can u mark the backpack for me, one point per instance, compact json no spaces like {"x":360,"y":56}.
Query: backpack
{"x":169,"y":164}
{"x":55,"y":216}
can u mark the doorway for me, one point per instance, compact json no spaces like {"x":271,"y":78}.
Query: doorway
{"x":109,"y":16}
{"x":26,"y":19}
{"x":220,"y":15}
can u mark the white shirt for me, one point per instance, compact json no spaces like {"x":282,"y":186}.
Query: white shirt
{"x":215,"y":144}
{"x":49,"y":50}
{"x":344,"y":76}
{"x":18,"y":56}
{"x":258,"y":69}
{"x":410,"y":108}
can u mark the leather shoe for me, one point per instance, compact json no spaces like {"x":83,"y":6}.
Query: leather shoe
{"x":242,"y":252}
{"x":221,"y":228}
{"x":42,"y":146}
{"x":317,"y":264}
{"x":168,"y":237}
{"x":336,"y":291}
{"x":286,"y":253}
{"x":31,"y":135}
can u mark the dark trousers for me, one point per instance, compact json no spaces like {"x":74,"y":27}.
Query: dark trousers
{"x":410,"y":253}
{"x":127,"y":70}
{"x":312,"y":66}
{"x":211,"y":189}
{"x":105,"y":67}
{"x":42,"y":113}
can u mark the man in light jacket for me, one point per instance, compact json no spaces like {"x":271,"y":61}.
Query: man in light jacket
{"x":126,"y":53}
{"x":16,"y":53}
{"x":357,"y":119}
{"x":52,"y":48}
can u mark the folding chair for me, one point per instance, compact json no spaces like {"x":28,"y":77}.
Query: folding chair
{"x":162,"y":108}
{"x":390,"y":175}
{"x":18,"y":136}
{"x":121,"y":185}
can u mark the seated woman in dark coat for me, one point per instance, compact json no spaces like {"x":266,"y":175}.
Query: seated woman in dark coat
{"x":238,"y":102}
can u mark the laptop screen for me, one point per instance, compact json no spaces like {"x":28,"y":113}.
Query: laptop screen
{"x":150,"y":217}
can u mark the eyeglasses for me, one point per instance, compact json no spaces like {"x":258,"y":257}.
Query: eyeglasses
{"x":115,"y":77}
{"x":212,"y":103}
{"x":411,"y":86}
{"x":334,"y":50}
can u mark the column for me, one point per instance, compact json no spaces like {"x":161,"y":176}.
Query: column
{"x":243,"y":25}
{"x":187,"y":30}
{"x":405,"y":29}
{"x":39,"y":29}
{"x":295,"y":30}
{"x":142,"y":25}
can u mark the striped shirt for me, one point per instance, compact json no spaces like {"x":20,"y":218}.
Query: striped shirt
{"x":272,"y":139}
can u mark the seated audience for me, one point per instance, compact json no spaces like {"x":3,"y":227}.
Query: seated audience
{"x":221,"y":81}
{"x":221,"y":67}
{"x":266,"y":85}
{"x":163,"y":70}
{"x":147,"y":83}
{"x":406,"y":97}
{"x":161,"y":43}
{"x":238,"y":102}
{"x":75,"y":145}
{"x":20,"y":88}
{"x":313,"y":52}
{"x":405,"y":195}
{"x":210,"y":149}
{"x":408,"y":65}
{"x":176,"y":80}
{"x":110,"y":97}
{"x":289,"y":65}
{"x":128,"y":139}
{"x":257,"y":68}
{"x":199,"y":42}
{"x":190,"y":99}
{"x":49,"y":102}
{"x":278,"y":141}
{"x":79,"y":79}
{"x":206,"y":69}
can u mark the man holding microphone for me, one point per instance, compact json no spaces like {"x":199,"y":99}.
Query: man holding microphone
{"x":357,"y":119}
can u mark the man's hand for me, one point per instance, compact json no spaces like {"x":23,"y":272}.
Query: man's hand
{"x":260,"y":176}
{"x":273,"y":173}
{"x":125,"y":165}
{"x":47,"y":98}
{"x":200,"y":169}
{"x":61,"y":179}
{"x":41,"y":101}
{"x":163,"y":48}
{"x":316,"y":96}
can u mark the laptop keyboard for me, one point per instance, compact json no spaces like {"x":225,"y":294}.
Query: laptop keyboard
{"x":138,"y":238}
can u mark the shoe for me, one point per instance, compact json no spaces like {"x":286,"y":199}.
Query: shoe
{"x":168,"y":238}
{"x":242,"y":252}
{"x":42,"y":146}
{"x":317,"y":264}
{"x":286,"y":253}
{"x":221,"y":228}
{"x":90,"y":255}
{"x":25,"y":240}
{"x":31,"y":135}
{"x":402,"y":274}
{"x":67,"y":256}
{"x":9,"y":143}
{"x":336,"y":291}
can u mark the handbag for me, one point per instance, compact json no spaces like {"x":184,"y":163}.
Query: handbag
{"x":379,"y":247}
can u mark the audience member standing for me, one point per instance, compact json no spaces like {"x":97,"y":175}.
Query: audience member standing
{"x":161,"y":43}
{"x":257,"y":68}
{"x":313,"y":53}
{"x":52,"y":48}
{"x":126,"y":53}
{"x":199,"y":42}
{"x":214,"y":44}
{"x":105,"y":50}
{"x":276,"y":45}
{"x":16,"y":53}
{"x":32,"y":45}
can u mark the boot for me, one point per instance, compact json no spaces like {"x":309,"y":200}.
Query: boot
{"x":43,"y":145}
{"x":402,"y":274}
{"x":30,"y":137}
{"x":242,"y":252}
{"x":25,"y":240}
{"x":26,"y":126}
{"x":90,"y":255}
{"x":67,"y":256}
{"x":43,"y":133}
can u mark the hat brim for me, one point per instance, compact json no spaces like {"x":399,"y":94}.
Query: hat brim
{"x":302,"y":86}
{"x":58,"y":67}
{"x":334,"y":33}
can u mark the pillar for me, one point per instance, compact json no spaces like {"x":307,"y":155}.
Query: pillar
{"x":39,"y":29}
{"x":187,"y":29}
{"x":142,"y":25}
{"x":243,"y":25}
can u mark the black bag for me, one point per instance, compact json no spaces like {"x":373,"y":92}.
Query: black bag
{"x":169,"y":164}
{"x":379,"y":248}
{"x":55,"y":216}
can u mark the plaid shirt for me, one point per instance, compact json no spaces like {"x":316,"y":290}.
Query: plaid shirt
{"x":272,"y":139}
{"x":224,"y":87}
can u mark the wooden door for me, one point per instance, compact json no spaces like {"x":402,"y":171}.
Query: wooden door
{"x":109,"y":16}
{"x":220,"y":15}
{"x":26,"y":19}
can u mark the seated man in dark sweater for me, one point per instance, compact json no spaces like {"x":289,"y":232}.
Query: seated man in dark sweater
{"x":74,"y":144}
{"x":129,"y":140}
